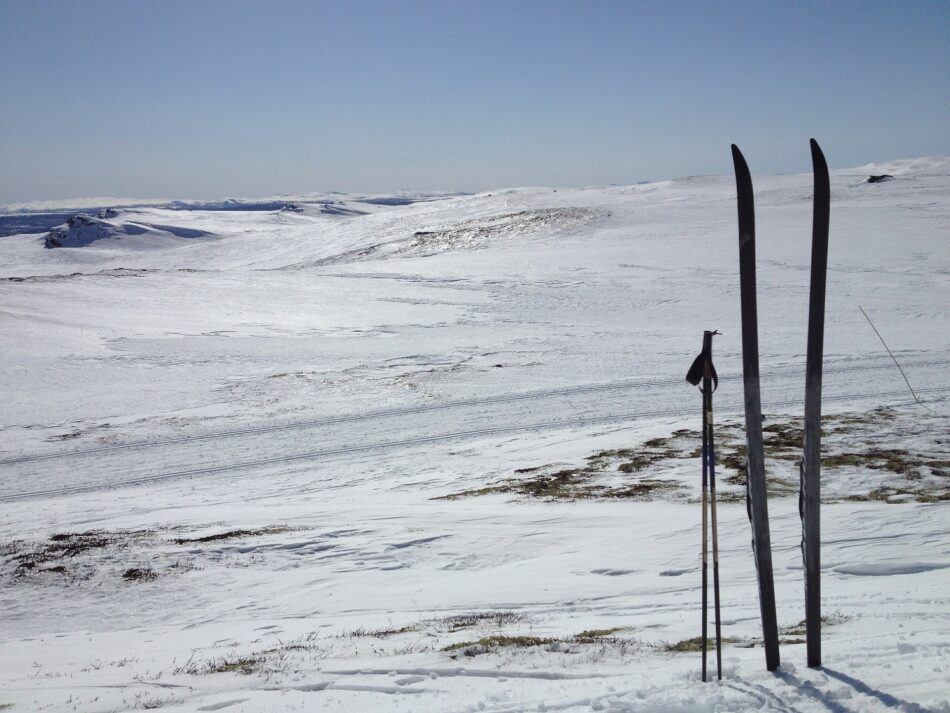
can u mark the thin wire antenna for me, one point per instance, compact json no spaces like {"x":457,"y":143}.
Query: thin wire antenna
{"x":913,"y":393}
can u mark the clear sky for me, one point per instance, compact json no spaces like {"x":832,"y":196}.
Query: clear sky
{"x":214,"y":98}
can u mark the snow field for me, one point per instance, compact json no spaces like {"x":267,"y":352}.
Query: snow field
{"x":313,"y":383}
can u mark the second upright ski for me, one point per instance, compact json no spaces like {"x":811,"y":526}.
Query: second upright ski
{"x":810,"y":493}
{"x":756,"y":497}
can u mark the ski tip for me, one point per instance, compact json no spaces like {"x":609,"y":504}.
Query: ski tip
{"x":743,"y":175}
{"x":738,"y":159}
{"x":818,"y":157}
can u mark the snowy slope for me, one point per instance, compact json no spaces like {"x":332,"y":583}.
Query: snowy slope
{"x":301,"y":456}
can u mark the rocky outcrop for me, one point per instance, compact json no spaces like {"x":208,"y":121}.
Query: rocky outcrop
{"x":79,"y":230}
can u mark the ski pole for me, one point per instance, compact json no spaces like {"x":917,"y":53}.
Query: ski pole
{"x":711,"y":469}
{"x":705,"y":545}
{"x":702,"y":370}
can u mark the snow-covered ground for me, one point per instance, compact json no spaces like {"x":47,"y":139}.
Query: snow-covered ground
{"x":362,"y":453}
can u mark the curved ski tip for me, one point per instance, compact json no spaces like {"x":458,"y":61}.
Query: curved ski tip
{"x":817,"y":155}
{"x":739,"y":161}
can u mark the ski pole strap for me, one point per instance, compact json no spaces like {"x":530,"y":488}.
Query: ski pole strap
{"x":698,"y":369}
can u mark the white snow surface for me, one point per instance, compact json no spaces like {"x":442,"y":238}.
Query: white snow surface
{"x":319,"y":379}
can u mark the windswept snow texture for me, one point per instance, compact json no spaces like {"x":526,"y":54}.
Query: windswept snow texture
{"x":437,"y":453}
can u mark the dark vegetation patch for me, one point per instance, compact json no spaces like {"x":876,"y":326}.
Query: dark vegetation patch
{"x":231,"y":535}
{"x":72,"y":557}
{"x":226,"y":663}
{"x":139,"y":574}
{"x":66,"y":436}
{"x":455,"y":622}
{"x":570,"y":644}
{"x":606,"y":475}
{"x":361,"y":632}
{"x":444,"y":624}
{"x":826,"y":620}
{"x":694,"y":644}
{"x":497,"y":641}
{"x":58,"y":554}
{"x":857,"y":461}
{"x":897,"y":495}
{"x":845,"y":445}
{"x":848,"y":447}
{"x":265,"y":661}
{"x":592,"y":636}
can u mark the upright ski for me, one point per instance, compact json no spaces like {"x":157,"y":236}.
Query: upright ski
{"x":756,"y":499}
{"x":810,"y":493}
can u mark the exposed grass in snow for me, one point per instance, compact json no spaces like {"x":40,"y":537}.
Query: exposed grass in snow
{"x":90,"y":555}
{"x":496,"y":641}
{"x":469,"y":234}
{"x":226,"y":663}
{"x":456,"y":622}
{"x":139,"y":574}
{"x":442,"y":624}
{"x":61,"y":551}
{"x":849,"y":449}
{"x":593,"y":635}
{"x":826,"y":620}
{"x":274,"y":659}
{"x":851,"y":462}
{"x":607,"y":474}
{"x":361,"y":632}
{"x":232,"y":534}
{"x":797,"y":630}
{"x":572,"y":644}
{"x":694,"y":644}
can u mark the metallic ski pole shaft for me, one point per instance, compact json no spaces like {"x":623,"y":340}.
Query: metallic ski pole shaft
{"x":702,"y":373}
{"x":711,"y":469}
{"x":705,"y":542}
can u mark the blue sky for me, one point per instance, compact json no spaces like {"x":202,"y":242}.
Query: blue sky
{"x":205,"y":98}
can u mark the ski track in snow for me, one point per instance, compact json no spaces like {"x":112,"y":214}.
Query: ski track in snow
{"x":266,"y":436}
{"x":346,"y":450}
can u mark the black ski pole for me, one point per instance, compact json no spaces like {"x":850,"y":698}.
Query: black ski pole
{"x":705,"y":643}
{"x":703,"y":371}
{"x":710,"y":454}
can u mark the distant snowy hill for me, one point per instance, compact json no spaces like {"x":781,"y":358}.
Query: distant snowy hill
{"x":39,"y":216}
{"x":81,"y":230}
